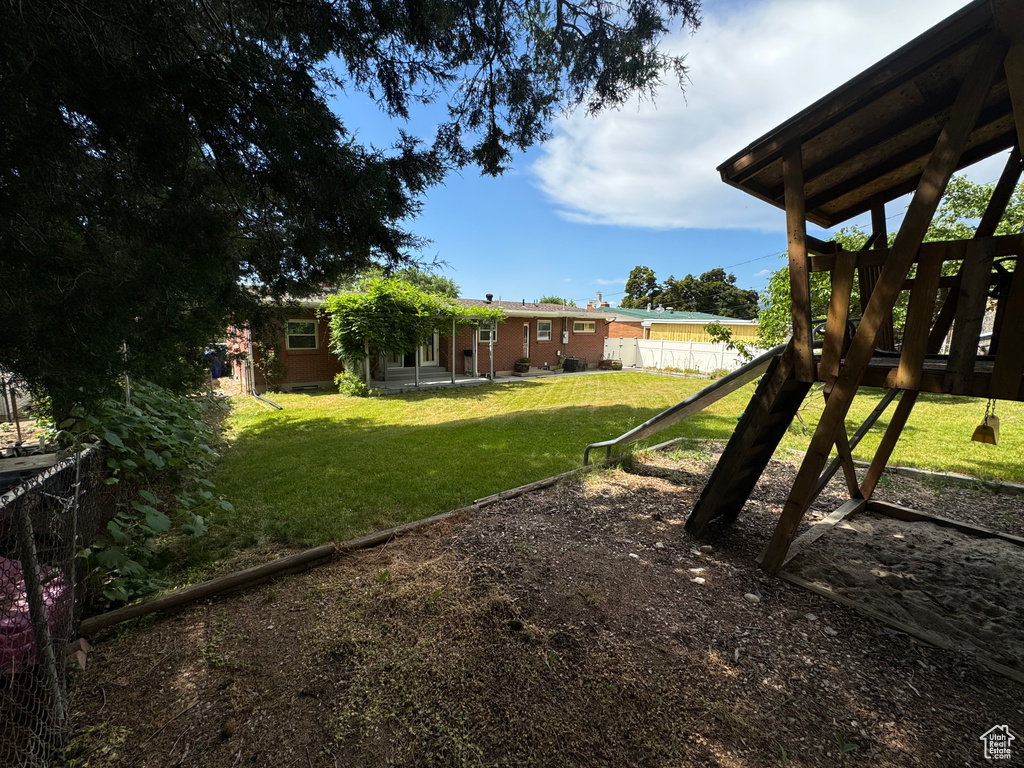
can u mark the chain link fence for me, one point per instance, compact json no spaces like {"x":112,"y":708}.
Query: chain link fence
{"x":44,"y":523}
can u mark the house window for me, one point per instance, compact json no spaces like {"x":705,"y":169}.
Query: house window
{"x":543,"y":330}
{"x":301,"y":334}
{"x":488,"y":330}
{"x":584,"y":326}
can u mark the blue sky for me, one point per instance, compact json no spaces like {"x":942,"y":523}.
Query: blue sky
{"x":639,"y":185}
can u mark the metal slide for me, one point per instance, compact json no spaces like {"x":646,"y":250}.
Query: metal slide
{"x":691,"y":405}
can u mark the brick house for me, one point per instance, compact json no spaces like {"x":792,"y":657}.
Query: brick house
{"x":542,"y":332}
{"x":308,"y":363}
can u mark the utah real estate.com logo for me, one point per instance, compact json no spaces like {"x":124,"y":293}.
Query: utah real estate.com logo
{"x":996,"y":741}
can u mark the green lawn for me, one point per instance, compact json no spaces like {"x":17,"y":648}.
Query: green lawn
{"x":329,"y":468}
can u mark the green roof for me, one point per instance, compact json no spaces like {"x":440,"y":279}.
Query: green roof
{"x":675,"y":314}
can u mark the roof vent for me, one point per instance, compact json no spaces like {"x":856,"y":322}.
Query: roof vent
{"x":490,"y":297}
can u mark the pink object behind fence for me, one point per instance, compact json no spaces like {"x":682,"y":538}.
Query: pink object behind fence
{"x":17,"y":644}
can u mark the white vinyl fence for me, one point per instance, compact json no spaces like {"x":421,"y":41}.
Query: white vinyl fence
{"x":700,"y":356}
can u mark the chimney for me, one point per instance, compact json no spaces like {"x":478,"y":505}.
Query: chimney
{"x":605,"y":304}
{"x":490,"y":297}
{"x":590,"y":305}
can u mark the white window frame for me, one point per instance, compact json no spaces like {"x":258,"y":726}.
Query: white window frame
{"x":288,"y":334}
{"x":579,"y":326}
{"x":540,"y":335}
{"x":488,"y":326}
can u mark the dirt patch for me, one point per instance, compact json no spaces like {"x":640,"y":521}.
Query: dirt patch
{"x":574,"y":626}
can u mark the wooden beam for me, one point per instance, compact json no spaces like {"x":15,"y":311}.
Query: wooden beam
{"x":954,"y":33}
{"x":799,"y":278}
{"x":830,"y":218}
{"x":888,"y":443}
{"x":819,"y":529}
{"x":986,"y":228}
{"x":990,"y":116}
{"x":838,"y":314}
{"x":932,"y":638}
{"x":941,"y":164}
{"x":821,"y":247}
{"x":919,"y":322}
{"x":942,"y":250}
{"x":899,"y":512}
{"x":975,"y":276}
{"x":868,"y":276}
{"x":1009,"y":365}
{"x":862,"y":430}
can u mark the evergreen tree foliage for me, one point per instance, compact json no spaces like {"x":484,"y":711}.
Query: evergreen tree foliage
{"x":168,"y":167}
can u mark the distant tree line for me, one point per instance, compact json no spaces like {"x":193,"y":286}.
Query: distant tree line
{"x":714,"y":292}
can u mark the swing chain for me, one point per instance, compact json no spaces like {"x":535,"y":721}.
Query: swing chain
{"x":990,"y":409}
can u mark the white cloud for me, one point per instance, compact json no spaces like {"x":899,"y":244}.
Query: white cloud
{"x":762,"y":273}
{"x":613,"y":281}
{"x":751,"y":68}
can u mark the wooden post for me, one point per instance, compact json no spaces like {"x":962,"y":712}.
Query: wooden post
{"x":799,"y":276}
{"x":838,"y":313}
{"x":868,"y":276}
{"x":919,"y":321}
{"x":1009,"y":365}
{"x":366,"y":351}
{"x":986,"y":228}
{"x":453,"y":351}
{"x":941,"y":164}
{"x":888,"y":443}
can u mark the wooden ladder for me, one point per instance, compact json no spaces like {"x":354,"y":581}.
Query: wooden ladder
{"x":761,"y":428}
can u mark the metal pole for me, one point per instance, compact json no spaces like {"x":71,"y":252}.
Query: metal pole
{"x":14,"y":412}
{"x":452,"y":360}
{"x":416,"y":365}
{"x":366,"y":349}
{"x":490,"y":349}
{"x":37,"y":610}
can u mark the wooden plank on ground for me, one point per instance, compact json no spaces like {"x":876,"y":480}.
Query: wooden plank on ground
{"x":819,"y":529}
{"x":799,"y":276}
{"x":941,"y":165}
{"x":909,"y":515}
{"x":975,"y":276}
{"x":919,"y":323}
{"x":932,"y":638}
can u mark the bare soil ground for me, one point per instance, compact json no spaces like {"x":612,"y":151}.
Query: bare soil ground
{"x":577,"y":626}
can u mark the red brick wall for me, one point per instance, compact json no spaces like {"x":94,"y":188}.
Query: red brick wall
{"x":622,"y":330}
{"x":508,"y":348}
{"x":302,"y":366}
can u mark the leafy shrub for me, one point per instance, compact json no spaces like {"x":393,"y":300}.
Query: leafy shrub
{"x":159,"y":445}
{"x":350,"y":385}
